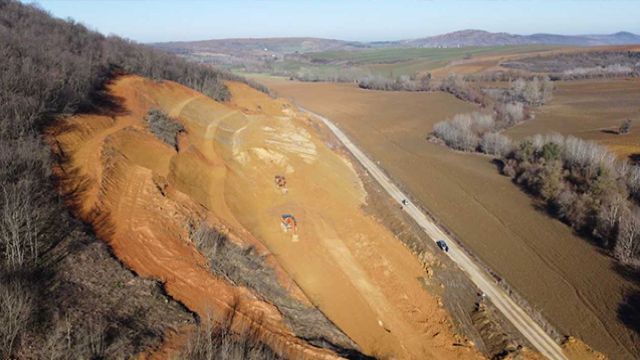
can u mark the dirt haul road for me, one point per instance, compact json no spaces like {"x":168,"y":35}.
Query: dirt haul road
{"x":520,"y":319}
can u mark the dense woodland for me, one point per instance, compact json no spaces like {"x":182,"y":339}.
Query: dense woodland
{"x":62,"y":295}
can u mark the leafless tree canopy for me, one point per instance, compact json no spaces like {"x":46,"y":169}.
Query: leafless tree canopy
{"x":53,"y":67}
{"x":584,"y":185}
{"x":625,"y":127}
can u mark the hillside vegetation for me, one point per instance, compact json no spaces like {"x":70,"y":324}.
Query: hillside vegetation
{"x":581,"y":65}
{"x":62,"y":295}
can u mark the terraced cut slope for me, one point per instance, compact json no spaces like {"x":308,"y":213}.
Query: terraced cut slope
{"x":577,"y":288}
{"x":141,"y":195}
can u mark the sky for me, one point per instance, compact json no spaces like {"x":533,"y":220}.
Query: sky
{"x":360,"y":20}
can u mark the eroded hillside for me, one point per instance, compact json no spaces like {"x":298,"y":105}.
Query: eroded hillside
{"x":143,"y":197}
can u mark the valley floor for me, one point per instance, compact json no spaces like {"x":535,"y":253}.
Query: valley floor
{"x":578,"y":288}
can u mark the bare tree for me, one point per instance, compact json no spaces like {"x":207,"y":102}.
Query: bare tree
{"x":26,"y":217}
{"x":495,"y":144}
{"x":628,"y":240}
{"x":15,"y":310}
{"x":608,"y":218}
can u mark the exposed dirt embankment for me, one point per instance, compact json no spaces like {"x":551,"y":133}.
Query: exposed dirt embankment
{"x":141,"y":195}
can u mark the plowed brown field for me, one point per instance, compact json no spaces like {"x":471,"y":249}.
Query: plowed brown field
{"x":140,"y":195}
{"x":592,"y":110}
{"x":573,"y":284}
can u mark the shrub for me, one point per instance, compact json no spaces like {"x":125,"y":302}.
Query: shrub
{"x":625,"y":127}
{"x":164,"y":127}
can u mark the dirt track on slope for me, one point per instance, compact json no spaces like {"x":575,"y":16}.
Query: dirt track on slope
{"x":140,"y":195}
{"x":575,"y":286}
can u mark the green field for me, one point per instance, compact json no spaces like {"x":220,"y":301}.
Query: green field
{"x":381,"y":56}
{"x":395,"y":61}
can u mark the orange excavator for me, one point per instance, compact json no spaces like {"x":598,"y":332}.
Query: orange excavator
{"x":289,"y":223}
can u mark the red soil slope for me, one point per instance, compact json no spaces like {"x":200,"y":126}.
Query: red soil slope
{"x":140,"y":195}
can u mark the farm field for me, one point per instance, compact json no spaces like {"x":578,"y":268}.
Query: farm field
{"x":592,"y":110}
{"x":400,"y":61}
{"x":576,"y":287}
{"x":372,"y":56}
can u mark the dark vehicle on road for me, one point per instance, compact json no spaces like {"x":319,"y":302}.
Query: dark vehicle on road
{"x":443,"y":245}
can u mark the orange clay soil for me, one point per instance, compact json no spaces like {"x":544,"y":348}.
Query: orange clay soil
{"x":140,"y":194}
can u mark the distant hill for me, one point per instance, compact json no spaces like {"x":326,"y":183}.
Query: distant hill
{"x":465,"y":38}
{"x":259,"y":47}
{"x":258,"y":54}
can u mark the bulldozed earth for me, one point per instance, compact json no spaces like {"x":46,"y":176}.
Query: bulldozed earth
{"x":242,"y":167}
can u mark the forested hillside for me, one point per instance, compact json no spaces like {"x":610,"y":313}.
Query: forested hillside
{"x":62,"y":295}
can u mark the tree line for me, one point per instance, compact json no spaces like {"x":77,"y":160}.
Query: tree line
{"x":584,"y":185}
{"x":578,"y":181}
{"x":480,"y":130}
{"x":581,"y":65}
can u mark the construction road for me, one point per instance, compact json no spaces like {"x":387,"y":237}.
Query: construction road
{"x":480,"y":277}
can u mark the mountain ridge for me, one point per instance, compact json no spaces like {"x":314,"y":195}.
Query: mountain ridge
{"x":474,"y":37}
{"x":460,"y":38}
